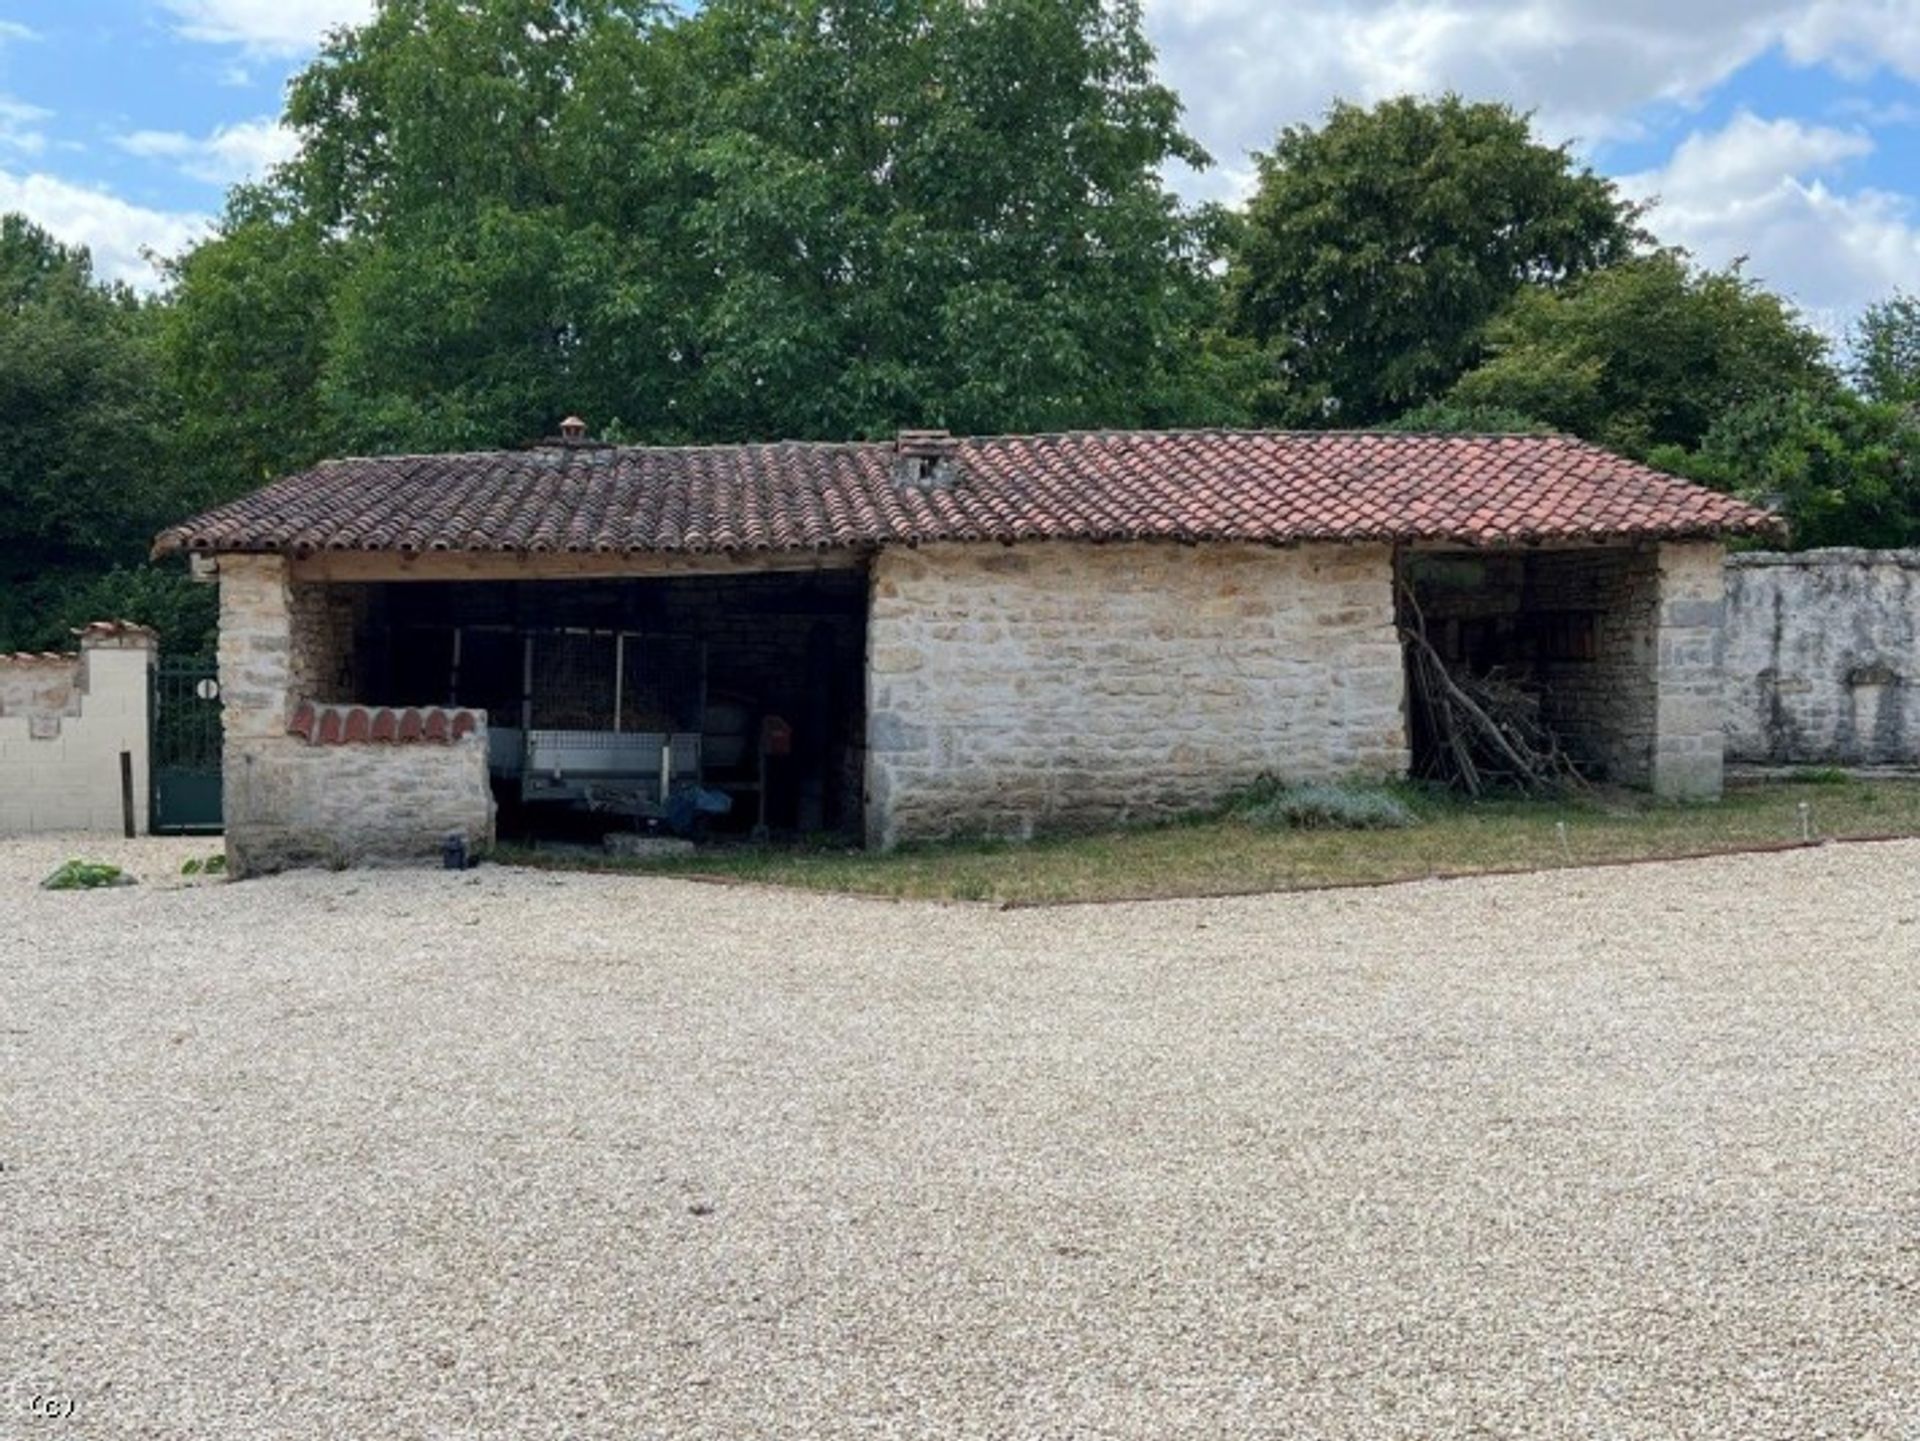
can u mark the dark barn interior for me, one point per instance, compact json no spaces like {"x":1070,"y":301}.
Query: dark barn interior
{"x":690,"y":705}
{"x":1561,"y":639}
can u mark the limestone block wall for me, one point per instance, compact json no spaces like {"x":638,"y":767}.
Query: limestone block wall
{"x":1605,"y":706}
{"x":323,"y":620}
{"x":290,"y":801}
{"x":64,"y":720}
{"x":1822,"y":657}
{"x":1647,"y":705}
{"x":1689,"y":750}
{"x":1047,"y":685}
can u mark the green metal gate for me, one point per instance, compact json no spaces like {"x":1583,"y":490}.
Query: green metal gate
{"x":184,"y":754}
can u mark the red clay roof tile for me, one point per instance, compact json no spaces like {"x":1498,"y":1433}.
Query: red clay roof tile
{"x":1269,"y":486}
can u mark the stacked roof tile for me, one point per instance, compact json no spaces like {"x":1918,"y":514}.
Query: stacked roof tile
{"x":1273,"y":487}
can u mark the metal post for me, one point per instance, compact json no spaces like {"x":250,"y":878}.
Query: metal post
{"x":526,"y":683}
{"x":619,"y":677}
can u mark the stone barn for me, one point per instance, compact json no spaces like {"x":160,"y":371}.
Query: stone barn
{"x":927,"y":637}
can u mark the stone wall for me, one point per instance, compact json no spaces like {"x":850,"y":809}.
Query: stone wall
{"x":1689,"y":754}
{"x":1822,"y":656}
{"x":1605,"y":705}
{"x":290,"y":802}
{"x":1012,"y":689}
{"x":64,"y":720}
{"x":324,"y":620}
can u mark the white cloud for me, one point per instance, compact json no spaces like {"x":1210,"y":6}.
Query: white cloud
{"x":20,"y":126}
{"x":116,"y":231}
{"x":231,"y":153}
{"x":1249,"y":67}
{"x":1593,"y":71}
{"x":272,"y":27}
{"x":1763,"y":189}
{"x":1858,"y":35}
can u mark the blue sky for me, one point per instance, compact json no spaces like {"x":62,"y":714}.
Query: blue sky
{"x":1785,"y":132}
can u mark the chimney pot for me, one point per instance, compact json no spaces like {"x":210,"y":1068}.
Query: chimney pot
{"x":573,"y":429}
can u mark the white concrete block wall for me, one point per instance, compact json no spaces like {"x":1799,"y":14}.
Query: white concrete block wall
{"x":63,"y":724}
{"x":1014,"y":689}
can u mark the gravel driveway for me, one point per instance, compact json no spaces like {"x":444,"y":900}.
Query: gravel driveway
{"x":1629,"y":1153}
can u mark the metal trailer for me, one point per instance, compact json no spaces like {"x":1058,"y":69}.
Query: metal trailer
{"x":625,"y":773}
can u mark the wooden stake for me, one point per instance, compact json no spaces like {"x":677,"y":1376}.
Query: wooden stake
{"x":126,"y":792}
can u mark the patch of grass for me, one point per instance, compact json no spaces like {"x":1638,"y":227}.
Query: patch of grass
{"x":1817,"y":776}
{"x":213,"y":865}
{"x":78,"y":875}
{"x":1221,"y":854}
{"x":1321,"y":807}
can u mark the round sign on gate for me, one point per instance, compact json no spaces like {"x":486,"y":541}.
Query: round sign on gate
{"x":208,"y":689}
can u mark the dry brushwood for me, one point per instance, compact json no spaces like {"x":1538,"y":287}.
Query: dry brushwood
{"x":1486,"y":731}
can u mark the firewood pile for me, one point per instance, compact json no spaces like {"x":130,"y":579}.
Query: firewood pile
{"x":1487,"y":732}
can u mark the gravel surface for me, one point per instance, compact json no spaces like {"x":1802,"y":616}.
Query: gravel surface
{"x":1627,"y":1153}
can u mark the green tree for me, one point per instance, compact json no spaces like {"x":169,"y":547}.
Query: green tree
{"x":809,"y":218}
{"x":1885,"y":348}
{"x":1381,"y":243}
{"x":1441,"y":417}
{"x":938,"y":209}
{"x":243,"y":343}
{"x":1841,"y":469}
{"x":1647,"y":353}
{"x":85,"y":429}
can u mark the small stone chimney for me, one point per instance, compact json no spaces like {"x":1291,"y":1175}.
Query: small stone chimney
{"x":573,"y":436}
{"x":924,"y":458}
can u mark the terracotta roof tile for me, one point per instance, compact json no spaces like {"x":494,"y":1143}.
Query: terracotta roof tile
{"x":347,"y":724}
{"x":1277,"y":487}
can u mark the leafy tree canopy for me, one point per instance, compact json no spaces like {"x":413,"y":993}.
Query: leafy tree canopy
{"x":1381,"y":243}
{"x":808,"y":218}
{"x":1842,"y":470}
{"x":85,"y":433}
{"x":1442,"y":417}
{"x":1649,"y":352}
{"x":1886,"y":351}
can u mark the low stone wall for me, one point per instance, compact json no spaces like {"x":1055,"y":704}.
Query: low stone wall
{"x":291,"y":804}
{"x":1822,"y":657}
{"x":311,"y":796}
{"x":64,"y":720}
{"x":1059,"y":684}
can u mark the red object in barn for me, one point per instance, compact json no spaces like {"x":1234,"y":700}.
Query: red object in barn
{"x":776,"y":737}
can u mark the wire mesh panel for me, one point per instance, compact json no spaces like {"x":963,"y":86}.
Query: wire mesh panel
{"x":662,"y":683}
{"x":574,"y":680}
